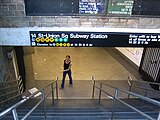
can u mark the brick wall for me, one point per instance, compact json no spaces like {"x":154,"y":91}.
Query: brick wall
{"x":12,"y":14}
{"x":6,"y":65}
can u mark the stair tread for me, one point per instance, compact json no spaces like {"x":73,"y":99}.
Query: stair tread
{"x":86,"y":110}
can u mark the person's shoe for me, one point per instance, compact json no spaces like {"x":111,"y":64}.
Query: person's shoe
{"x":60,"y":88}
{"x":70,"y":85}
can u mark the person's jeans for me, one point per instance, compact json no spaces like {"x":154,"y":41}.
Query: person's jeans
{"x":64,"y":76}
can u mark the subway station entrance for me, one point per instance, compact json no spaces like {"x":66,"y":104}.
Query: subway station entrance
{"x":47,"y":64}
{"x":103,"y":77}
{"x":114,"y":48}
{"x":105,"y":85}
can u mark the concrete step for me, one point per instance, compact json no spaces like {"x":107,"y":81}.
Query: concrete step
{"x":83,"y":110}
{"x":86,"y":110}
{"x":106,"y":116}
{"x":86,"y":114}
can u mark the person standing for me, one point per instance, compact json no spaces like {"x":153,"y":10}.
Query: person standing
{"x":67,"y":70}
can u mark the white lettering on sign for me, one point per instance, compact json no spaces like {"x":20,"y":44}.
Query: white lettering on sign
{"x":99,"y":36}
{"x":92,"y":36}
{"x":46,"y":35}
{"x":72,"y":35}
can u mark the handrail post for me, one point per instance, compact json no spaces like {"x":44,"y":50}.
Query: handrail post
{"x":158,"y":118}
{"x":114,"y":103}
{"x":44,"y":106}
{"x":146,"y":90}
{"x":145,"y":93}
{"x":130,"y":85}
{"x":15,"y":115}
{"x":57,"y":87}
{"x":93,"y":81}
{"x":52,"y":88}
{"x":130,"y":88}
{"x":93,"y":89}
{"x":100,"y":91}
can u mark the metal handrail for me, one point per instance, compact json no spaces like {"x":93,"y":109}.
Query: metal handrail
{"x":130,"y":82}
{"x":9,"y":87}
{"x":146,"y":89}
{"x":13,"y":107}
{"x":133,"y":94}
{"x":155,"y":102}
{"x":5,"y":82}
{"x":9,"y":93}
{"x":10,"y":98}
{"x":115,"y":97}
{"x":10,"y":81}
{"x":19,"y":80}
{"x":32,"y":109}
{"x":130,"y":78}
{"x":5,"y":79}
{"x":42,"y":100}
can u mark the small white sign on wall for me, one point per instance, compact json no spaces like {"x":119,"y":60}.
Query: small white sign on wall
{"x":134,"y":54}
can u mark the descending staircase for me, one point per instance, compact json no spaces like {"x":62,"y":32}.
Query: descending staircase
{"x":42,"y":108}
{"x":85,"y":110}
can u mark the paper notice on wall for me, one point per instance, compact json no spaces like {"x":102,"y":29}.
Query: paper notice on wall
{"x":33,"y":90}
{"x":134,"y":54}
{"x":135,"y":51}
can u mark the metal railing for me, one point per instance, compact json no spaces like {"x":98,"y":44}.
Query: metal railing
{"x":6,"y":86}
{"x":131,"y":85}
{"x":5,"y":83}
{"x":115,"y":98}
{"x":43,"y":97}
